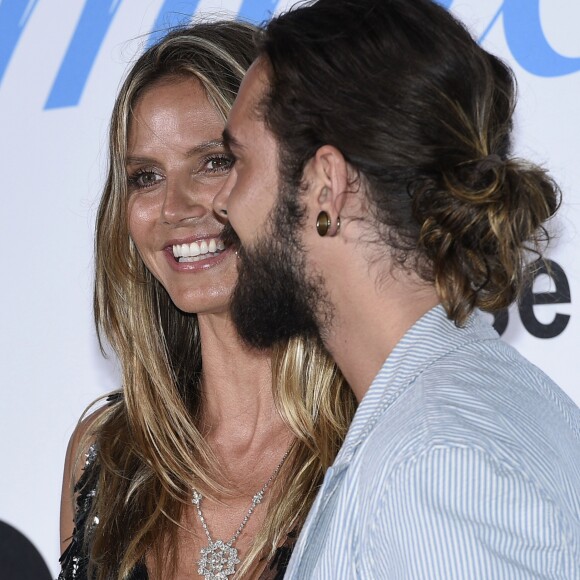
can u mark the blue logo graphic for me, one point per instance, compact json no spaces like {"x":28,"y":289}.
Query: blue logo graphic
{"x":521,"y":21}
{"x":527,"y":43}
{"x":81,"y":53}
{"x":14,"y":16}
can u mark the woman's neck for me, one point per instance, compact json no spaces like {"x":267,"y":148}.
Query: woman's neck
{"x":238,"y":405}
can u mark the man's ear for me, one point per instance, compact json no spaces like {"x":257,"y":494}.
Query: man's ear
{"x":328,"y":177}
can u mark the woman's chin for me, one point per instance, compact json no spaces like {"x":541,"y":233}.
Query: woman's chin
{"x":201,"y":305}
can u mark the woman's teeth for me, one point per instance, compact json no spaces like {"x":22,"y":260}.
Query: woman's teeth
{"x":198,"y":250}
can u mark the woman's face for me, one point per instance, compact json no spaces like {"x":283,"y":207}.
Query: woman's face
{"x":176,"y":164}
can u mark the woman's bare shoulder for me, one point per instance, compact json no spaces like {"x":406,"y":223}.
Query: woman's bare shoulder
{"x":81,"y":441}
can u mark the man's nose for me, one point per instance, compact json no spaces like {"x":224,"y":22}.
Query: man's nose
{"x":220,"y":201}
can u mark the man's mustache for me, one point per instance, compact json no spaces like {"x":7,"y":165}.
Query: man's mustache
{"x":229,"y":237}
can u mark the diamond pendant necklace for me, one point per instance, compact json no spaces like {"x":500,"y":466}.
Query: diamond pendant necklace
{"x":219,"y":559}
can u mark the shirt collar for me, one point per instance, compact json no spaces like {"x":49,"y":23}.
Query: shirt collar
{"x":429,"y":339}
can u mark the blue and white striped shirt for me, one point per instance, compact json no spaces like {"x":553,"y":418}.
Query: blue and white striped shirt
{"x":462,"y":462}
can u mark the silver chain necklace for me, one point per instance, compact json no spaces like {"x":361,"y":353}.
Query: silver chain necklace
{"x":219,"y":559}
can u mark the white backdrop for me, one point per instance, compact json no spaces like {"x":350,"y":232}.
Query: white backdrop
{"x":60,"y":66}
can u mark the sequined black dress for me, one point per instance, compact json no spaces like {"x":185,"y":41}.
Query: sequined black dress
{"x":74,"y":559}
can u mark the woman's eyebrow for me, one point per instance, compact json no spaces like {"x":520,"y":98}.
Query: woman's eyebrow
{"x":204,"y":146}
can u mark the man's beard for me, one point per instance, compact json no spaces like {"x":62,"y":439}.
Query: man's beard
{"x":274,"y":298}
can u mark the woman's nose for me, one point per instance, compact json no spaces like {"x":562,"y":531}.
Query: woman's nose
{"x":182,"y":202}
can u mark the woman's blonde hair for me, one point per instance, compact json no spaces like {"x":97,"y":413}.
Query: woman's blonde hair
{"x":150,"y":449}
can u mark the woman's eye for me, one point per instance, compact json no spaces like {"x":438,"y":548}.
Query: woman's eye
{"x":144,"y":179}
{"x":218,"y":163}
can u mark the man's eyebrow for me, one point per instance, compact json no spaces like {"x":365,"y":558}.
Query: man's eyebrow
{"x":230,"y":141}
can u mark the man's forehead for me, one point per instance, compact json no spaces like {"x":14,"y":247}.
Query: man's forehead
{"x":250,"y":96}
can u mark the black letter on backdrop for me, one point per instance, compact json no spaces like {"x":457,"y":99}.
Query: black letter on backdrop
{"x":561,"y":295}
{"x":500,"y":320}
